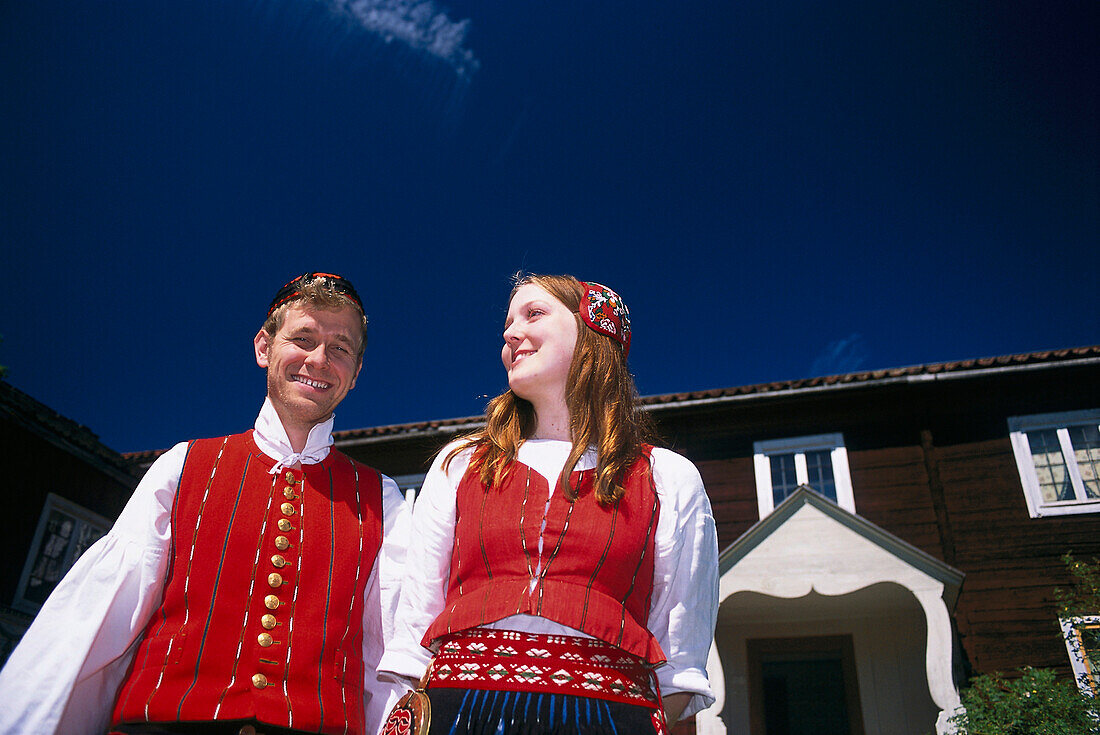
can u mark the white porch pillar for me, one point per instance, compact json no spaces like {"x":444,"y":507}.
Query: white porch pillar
{"x":708,"y":722}
{"x":938,"y":654}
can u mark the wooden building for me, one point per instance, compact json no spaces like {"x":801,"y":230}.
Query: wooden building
{"x":65,"y":490}
{"x":883,"y":534}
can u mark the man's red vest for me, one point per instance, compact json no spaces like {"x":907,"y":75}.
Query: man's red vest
{"x":596,"y":560}
{"x":263,"y":605}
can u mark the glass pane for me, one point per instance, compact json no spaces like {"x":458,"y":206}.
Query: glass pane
{"x":1086,"y":450}
{"x":784,"y":481}
{"x":819,"y":468}
{"x":1050,"y":466}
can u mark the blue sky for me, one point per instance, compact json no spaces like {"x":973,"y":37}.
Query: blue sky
{"x":778,"y":189}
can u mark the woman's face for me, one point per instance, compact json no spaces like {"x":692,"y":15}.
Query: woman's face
{"x":540,"y":334}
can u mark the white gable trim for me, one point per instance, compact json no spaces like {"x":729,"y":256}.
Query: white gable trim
{"x":813,"y":545}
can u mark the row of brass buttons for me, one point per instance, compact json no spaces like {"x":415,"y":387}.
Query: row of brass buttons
{"x":275,"y":579}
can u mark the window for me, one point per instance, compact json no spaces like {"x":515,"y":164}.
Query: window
{"x":409,"y":485}
{"x":65,"y":530}
{"x":818,"y":461}
{"x":1058,"y":456}
{"x":1083,"y":643}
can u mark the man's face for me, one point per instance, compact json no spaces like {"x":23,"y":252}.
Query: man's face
{"x":312,"y":362}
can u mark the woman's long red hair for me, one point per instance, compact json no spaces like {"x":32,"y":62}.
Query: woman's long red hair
{"x":604,"y":410}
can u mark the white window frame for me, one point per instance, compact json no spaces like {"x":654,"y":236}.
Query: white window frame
{"x":1088,"y":680}
{"x":409,"y":485}
{"x":798,"y":446}
{"x":84,"y":524}
{"x":1018,"y":426}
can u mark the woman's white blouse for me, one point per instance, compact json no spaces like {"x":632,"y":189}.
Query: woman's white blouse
{"x":685,"y":577}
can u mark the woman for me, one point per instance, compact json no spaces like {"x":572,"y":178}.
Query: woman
{"x":563,"y":570}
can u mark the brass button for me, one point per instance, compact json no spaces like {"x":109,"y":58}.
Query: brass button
{"x":271,"y":602}
{"x":287,"y":509}
{"x":265,"y":639}
{"x":290,"y":479}
{"x":259,"y":681}
{"x":282,"y":543}
{"x":278,"y":562}
{"x":289,"y":494}
{"x":247,"y":730}
{"x":275,"y":580}
{"x":284,"y":525}
{"x":268,"y":621}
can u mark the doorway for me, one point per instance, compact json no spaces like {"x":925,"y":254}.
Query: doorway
{"x":803,"y":686}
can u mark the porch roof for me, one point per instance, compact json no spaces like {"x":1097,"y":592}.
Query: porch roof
{"x":805,"y":495}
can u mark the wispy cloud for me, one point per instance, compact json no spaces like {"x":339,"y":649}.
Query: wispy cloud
{"x":845,"y":355}
{"x":419,"y":24}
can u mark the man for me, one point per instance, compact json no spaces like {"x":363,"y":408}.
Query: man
{"x":249,"y":583}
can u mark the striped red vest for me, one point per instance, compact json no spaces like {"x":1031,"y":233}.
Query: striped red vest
{"x":597,"y":560}
{"x":263,"y":603}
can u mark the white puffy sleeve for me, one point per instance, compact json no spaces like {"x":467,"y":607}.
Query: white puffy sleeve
{"x":65,"y":673}
{"x":428,"y":566}
{"x":685,"y":579}
{"x":383,"y":586}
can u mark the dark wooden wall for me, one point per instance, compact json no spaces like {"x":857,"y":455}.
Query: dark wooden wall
{"x":35,"y":467}
{"x":731,"y":486}
{"x":1006,"y":614}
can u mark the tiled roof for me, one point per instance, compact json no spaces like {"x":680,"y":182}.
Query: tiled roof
{"x":144,"y":458}
{"x":421,"y":427}
{"x":1023,"y":360}
{"x":671,"y":400}
{"x":40,"y":418}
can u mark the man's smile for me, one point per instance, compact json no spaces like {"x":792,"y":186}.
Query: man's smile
{"x":319,"y":385}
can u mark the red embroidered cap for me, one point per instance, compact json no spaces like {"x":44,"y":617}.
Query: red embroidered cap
{"x":339,"y":284}
{"x":604,"y":311}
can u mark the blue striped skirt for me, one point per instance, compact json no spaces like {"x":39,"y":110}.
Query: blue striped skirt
{"x":491,"y":712}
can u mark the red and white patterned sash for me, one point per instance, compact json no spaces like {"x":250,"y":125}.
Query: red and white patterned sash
{"x":507,"y":660}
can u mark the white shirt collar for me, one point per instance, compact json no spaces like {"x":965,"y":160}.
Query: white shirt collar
{"x":271,"y":438}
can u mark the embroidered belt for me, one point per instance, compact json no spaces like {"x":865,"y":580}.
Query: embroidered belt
{"x":513,"y":661}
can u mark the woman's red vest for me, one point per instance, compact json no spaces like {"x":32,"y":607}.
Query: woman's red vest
{"x":596,"y":562}
{"x":232,"y":641}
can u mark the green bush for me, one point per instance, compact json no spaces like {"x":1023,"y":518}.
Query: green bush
{"x":1034,"y":704}
{"x":1084,"y":597}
